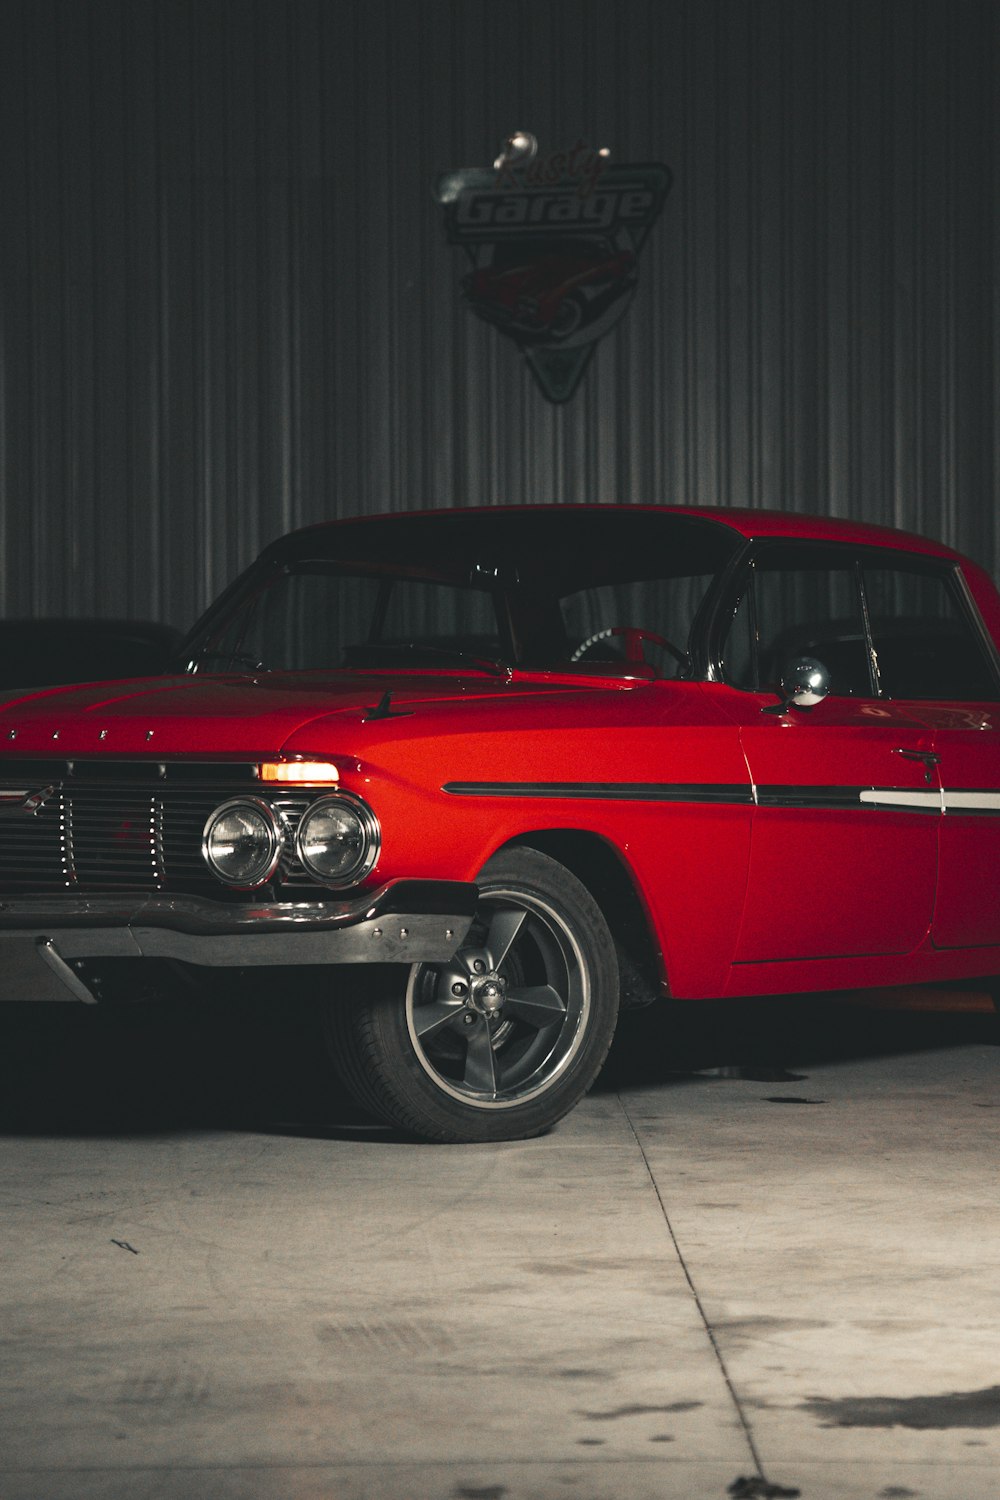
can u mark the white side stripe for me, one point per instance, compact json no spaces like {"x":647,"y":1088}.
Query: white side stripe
{"x":943,"y":800}
{"x":882,"y":798}
{"x":972,"y":801}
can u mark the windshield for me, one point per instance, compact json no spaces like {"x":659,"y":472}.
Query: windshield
{"x":316,"y":616}
{"x":590,"y":598}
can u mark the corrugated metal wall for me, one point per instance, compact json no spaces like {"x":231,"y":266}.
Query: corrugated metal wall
{"x":228,"y":307}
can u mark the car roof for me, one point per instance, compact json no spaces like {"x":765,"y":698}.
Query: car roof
{"x":748,"y":522}
{"x":753,"y":523}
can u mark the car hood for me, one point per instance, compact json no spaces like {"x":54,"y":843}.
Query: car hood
{"x":225,"y":717}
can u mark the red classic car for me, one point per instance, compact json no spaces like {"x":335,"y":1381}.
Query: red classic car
{"x":485,"y":776}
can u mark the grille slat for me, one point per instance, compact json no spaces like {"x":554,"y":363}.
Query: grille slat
{"x":91,"y":836}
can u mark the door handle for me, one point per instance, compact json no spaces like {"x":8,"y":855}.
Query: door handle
{"x":926,"y":757}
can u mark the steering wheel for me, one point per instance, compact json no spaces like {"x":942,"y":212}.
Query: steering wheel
{"x":633,"y":636}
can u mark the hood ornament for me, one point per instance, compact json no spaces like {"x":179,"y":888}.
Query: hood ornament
{"x":383,"y":710}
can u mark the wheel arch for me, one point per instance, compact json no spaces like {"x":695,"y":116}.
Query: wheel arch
{"x":598,"y":865}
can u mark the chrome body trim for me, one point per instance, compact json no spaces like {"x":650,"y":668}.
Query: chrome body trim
{"x":603,"y":791}
{"x":982,"y":803}
{"x":74,"y":984}
{"x":406,"y":921}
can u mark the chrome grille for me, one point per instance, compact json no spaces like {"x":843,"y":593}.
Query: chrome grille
{"x":105,"y":836}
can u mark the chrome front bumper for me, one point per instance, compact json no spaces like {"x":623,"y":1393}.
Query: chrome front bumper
{"x":44,"y":938}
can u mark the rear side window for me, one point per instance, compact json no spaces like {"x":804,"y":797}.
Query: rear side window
{"x":924,"y":646}
{"x":896,"y":629}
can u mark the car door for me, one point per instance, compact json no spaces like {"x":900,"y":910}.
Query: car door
{"x":847,"y":800}
{"x":967,"y":909}
{"x":935,"y":657}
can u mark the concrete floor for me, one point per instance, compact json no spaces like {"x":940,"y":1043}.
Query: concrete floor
{"x":218,"y":1285}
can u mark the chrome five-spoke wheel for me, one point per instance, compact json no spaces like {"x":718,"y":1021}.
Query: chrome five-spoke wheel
{"x":499,"y":1024}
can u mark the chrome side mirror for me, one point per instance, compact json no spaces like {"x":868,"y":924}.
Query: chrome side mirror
{"x":804,"y":683}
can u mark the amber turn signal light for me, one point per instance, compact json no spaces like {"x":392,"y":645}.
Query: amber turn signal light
{"x":299,"y":772}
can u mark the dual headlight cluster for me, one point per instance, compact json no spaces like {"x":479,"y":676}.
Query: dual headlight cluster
{"x":337,"y":841}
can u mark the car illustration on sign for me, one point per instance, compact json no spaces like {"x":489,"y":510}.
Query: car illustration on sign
{"x":553,"y":242}
{"x":540,"y":293}
{"x":482,"y":777}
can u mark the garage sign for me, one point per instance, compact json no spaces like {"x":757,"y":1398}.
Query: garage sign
{"x":552,"y":244}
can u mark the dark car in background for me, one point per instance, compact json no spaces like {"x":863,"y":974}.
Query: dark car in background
{"x":49,"y":652}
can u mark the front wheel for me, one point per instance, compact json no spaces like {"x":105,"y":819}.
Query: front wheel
{"x":500,"y":1042}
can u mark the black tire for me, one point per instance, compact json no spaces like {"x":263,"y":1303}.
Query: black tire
{"x":501,"y":1042}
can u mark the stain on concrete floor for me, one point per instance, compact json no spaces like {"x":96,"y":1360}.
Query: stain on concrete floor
{"x":922,"y":1413}
{"x":765,"y":1327}
{"x":638,"y":1411}
{"x":756,"y":1487}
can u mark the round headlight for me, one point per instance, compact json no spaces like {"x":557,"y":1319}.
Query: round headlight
{"x":338,"y":840}
{"x":242,"y":842}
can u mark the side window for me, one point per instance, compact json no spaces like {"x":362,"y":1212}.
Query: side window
{"x":739,"y":659}
{"x":924,"y":645}
{"x":802,"y":601}
{"x":892,"y":629}
{"x":656,"y":607}
{"x":441,"y":615}
{"x":301,"y":620}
